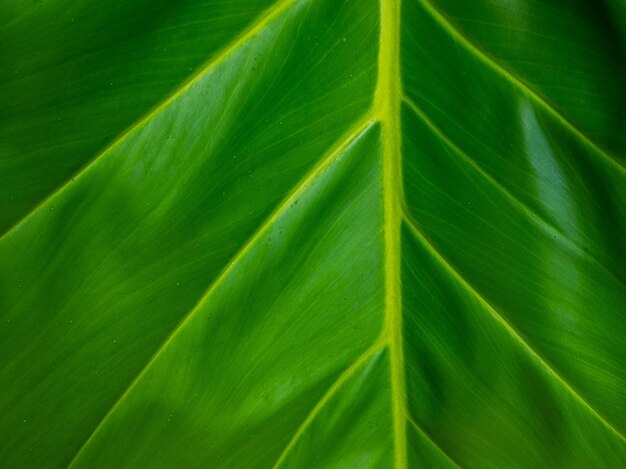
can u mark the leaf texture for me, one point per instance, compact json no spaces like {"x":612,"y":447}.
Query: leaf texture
{"x":313,"y":233}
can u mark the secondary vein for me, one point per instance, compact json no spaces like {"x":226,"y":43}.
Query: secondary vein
{"x":449,"y":28}
{"x":536,"y":218}
{"x":331,"y":156}
{"x":432,"y":442}
{"x":271,"y":14}
{"x":332,"y":391}
{"x":500,"y":318}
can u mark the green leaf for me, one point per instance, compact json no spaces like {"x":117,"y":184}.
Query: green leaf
{"x":313,"y":233}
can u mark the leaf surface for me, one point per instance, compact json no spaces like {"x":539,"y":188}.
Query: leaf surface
{"x":313,"y":233}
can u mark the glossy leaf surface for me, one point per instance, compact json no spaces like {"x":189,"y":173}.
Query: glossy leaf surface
{"x":313,"y":233}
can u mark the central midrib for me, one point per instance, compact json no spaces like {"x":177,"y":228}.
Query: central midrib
{"x":387,"y":109}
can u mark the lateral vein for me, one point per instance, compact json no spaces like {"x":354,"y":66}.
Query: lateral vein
{"x":531,"y":214}
{"x":453,"y":31}
{"x":265,"y":19}
{"x":499,"y":318}
{"x":432,"y":442}
{"x":332,"y":390}
{"x":327,"y":160}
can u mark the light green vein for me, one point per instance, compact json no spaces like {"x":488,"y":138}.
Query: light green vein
{"x":447,"y":26}
{"x":500,"y":319}
{"x":431,"y":442}
{"x":534,"y":217}
{"x":387,"y":104}
{"x":325,"y":162}
{"x":334,"y":388}
{"x":265,"y":19}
